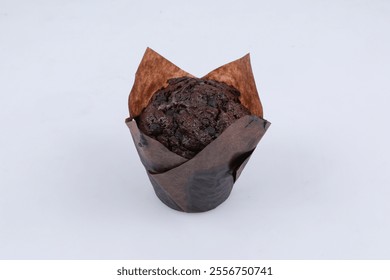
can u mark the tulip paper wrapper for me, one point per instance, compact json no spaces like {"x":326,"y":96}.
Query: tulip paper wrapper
{"x":205,"y":181}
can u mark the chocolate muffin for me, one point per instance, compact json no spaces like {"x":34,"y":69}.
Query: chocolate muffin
{"x":189,"y":113}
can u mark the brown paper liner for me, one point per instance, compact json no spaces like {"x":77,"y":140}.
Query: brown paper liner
{"x":205,"y":181}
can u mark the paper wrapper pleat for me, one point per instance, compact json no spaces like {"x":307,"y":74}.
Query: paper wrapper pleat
{"x":205,"y":181}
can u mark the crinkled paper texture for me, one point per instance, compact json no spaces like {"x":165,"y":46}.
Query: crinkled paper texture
{"x":205,"y":181}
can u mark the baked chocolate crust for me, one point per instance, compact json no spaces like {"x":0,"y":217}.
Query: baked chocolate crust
{"x":190,"y":113}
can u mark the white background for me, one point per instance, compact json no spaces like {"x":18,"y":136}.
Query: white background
{"x":72,"y":185}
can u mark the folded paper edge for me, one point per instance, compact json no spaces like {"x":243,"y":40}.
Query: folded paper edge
{"x":154,"y":71}
{"x":148,"y":80}
{"x":174,"y":159}
{"x":239,"y":75}
{"x":151,"y":151}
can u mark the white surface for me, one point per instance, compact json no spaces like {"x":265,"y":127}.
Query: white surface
{"x":71,"y":183}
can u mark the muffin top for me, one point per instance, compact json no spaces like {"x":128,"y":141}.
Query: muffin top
{"x":189,"y":113}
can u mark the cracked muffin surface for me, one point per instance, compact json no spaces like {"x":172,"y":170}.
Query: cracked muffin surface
{"x":190,"y":113}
